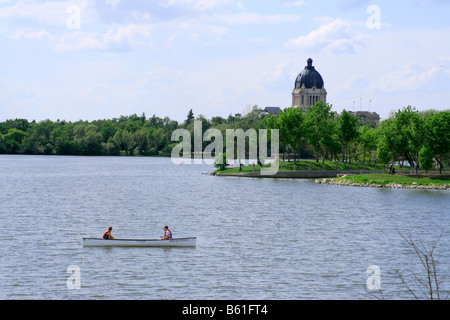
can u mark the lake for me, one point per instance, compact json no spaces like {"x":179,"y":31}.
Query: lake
{"x":257,"y":238}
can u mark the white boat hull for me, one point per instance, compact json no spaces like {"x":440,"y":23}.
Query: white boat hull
{"x":180,"y":242}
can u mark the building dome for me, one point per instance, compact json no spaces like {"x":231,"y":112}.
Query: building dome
{"x":309,"y":77}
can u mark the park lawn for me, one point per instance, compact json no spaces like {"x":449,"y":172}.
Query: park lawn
{"x":306,"y":165}
{"x":384,"y":179}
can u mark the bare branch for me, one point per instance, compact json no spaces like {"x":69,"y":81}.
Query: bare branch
{"x":430,"y":287}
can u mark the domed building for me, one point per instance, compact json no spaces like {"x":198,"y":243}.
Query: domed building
{"x":309,"y":88}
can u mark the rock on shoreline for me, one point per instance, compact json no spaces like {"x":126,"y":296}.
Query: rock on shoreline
{"x":377,"y":185}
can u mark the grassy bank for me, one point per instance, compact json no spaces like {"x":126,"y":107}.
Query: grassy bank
{"x":385,"y":179}
{"x":309,"y":165}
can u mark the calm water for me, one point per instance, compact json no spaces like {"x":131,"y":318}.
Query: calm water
{"x":257,"y":239}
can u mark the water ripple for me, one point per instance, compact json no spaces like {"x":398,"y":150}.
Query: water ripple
{"x":257,"y":239}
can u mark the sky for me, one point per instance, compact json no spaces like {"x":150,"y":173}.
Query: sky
{"x":100,"y":59}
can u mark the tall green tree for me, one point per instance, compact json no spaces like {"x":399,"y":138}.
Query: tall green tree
{"x":408,"y":128}
{"x":387,"y":142}
{"x":384,"y":154}
{"x":190,"y":118}
{"x":320,"y":129}
{"x":290,"y":122}
{"x":141,"y":139}
{"x":347,"y":131}
{"x":437,"y":141}
{"x":366,"y":141}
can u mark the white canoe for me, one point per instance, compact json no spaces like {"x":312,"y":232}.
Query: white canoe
{"x":179,"y":242}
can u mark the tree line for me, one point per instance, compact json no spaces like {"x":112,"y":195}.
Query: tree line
{"x":126,"y":135}
{"x":407,"y":137}
{"x":419,"y":139}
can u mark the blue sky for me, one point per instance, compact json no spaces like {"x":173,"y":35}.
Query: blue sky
{"x":99,"y":59}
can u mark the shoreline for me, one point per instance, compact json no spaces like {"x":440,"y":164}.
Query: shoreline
{"x":391,"y":185}
{"x":357,"y":178}
{"x":299,"y":174}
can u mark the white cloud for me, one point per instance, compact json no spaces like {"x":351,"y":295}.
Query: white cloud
{"x":134,"y":22}
{"x":240,"y":6}
{"x":201,"y":5}
{"x":124,"y":37}
{"x":257,"y":39}
{"x":47,"y":12}
{"x":128,"y":33}
{"x":274,"y":75}
{"x":348,"y":45}
{"x":292,"y":3}
{"x":356,"y":83}
{"x":351,"y":4}
{"x":338,"y":36}
{"x":395,"y":66}
{"x":200,"y":32}
{"x":252,"y":18}
{"x":78,"y":40}
{"x":39,"y":35}
{"x":408,"y":79}
{"x":113,"y":3}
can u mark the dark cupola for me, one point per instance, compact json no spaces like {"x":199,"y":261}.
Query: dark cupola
{"x":309,"y":77}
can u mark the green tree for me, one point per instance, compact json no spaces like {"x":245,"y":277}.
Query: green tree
{"x":347,"y":130}
{"x":320,"y":129}
{"x":404,"y":135}
{"x":384,"y":154}
{"x":387,"y":142}
{"x":269,"y":122}
{"x":33,"y":143}
{"x":437,"y":139}
{"x":141,"y":139}
{"x":290,"y":122}
{"x":217,"y":121}
{"x":157,"y":140}
{"x":408,"y":132}
{"x":12,"y":141}
{"x":45,"y":128}
{"x":125,"y":140}
{"x":62,"y":138}
{"x":38,"y":137}
{"x":108,"y":130}
{"x":190,"y":118}
{"x":221,"y":161}
{"x":426,"y":158}
{"x":21,"y":124}
{"x":110,"y":148}
{"x":366,"y":141}
{"x":231,"y":119}
{"x":2,"y":145}
{"x":92,"y":140}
